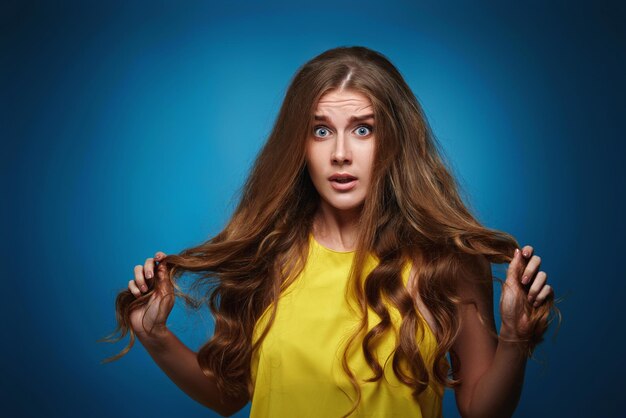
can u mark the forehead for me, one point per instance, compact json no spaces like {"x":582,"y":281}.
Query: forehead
{"x":348,"y":100}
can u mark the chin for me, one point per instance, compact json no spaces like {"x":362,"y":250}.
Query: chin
{"x":345,"y":205}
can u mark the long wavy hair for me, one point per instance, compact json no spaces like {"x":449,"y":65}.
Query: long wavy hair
{"x":414,"y":212}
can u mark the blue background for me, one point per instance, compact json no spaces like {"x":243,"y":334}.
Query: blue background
{"x":129,"y":128}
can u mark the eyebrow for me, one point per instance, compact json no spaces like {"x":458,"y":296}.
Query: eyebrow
{"x":352,"y":119}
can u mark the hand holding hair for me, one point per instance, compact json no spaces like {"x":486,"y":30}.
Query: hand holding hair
{"x":523,"y":276}
{"x":149,"y":320}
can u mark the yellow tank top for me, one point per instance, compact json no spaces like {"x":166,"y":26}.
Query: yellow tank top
{"x":297,"y":372}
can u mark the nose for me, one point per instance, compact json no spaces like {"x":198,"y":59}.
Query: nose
{"x":341,"y":153}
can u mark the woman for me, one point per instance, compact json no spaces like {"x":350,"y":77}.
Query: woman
{"x":350,"y":247}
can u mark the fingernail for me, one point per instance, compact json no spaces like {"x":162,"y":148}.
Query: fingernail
{"x":525,"y":279}
{"x":149,"y":275}
{"x":525,"y":254}
{"x":144,"y":288}
{"x":516,"y":251}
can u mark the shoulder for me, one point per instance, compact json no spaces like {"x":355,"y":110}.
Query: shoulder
{"x":473,"y":281}
{"x":476,"y":264}
{"x":473,"y":275}
{"x":470,"y":273}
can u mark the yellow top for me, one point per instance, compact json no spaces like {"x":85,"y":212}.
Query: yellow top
{"x":297,"y":372}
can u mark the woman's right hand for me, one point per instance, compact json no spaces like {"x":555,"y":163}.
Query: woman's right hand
{"x":149,"y":320}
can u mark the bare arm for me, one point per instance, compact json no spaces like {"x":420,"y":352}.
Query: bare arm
{"x":492,"y":371}
{"x":497,"y":392}
{"x":180,"y":364}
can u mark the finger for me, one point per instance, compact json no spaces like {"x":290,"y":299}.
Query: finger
{"x":134,"y":289}
{"x":527,"y":251}
{"x":516,"y":267}
{"x":148,"y":268}
{"x":538,"y":284}
{"x":531,"y":269}
{"x":543,"y":295}
{"x":159,"y":255}
{"x":139,"y":279}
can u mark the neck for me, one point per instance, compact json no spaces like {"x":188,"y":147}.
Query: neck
{"x":337,"y":229}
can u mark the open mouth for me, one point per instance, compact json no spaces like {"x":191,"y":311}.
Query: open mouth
{"x":343,"y":182}
{"x":342,"y":178}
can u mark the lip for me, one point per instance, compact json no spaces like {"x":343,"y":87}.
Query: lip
{"x":343,"y":187}
{"x":339,"y":175}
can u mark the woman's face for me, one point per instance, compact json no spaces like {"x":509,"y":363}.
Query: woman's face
{"x":341,"y":143}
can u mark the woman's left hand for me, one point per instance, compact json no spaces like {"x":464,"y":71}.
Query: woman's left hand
{"x":523,"y":276}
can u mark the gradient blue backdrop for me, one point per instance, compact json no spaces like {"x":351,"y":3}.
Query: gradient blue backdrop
{"x":129,"y":128}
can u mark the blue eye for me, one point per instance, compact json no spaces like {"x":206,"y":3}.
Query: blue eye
{"x":322,"y":128}
{"x":367,"y":127}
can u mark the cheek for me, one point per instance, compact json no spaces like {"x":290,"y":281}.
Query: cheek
{"x":313,"y":164}
{"x":368,"y":158}
{"x":312,"y":170}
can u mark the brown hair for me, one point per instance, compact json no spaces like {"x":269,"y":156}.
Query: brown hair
{"x":413,"y":212}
